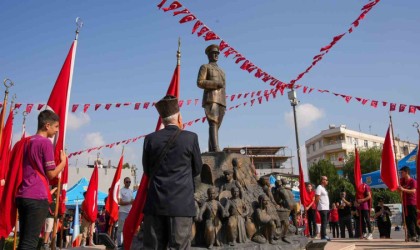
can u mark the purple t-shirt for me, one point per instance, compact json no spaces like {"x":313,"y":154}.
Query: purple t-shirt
{"x":365,"y":205}
{"x":40,"y":152}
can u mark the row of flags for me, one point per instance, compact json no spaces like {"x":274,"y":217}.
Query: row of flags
{"x":11,"y":163}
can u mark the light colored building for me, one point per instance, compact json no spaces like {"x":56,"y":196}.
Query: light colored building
{"x":337,"y":142}
{"x":266,"y":160}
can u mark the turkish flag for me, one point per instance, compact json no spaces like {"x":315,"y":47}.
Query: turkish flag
{"x":358,"y":176}
{"x":187,"y":18}
{"x":175,"y":5}
{"x":173,"y":90}
{"x":5,"y":147}
{"x":8,"y":210}
{"x":86,"y":107}
{"x":111,"y":205}
{"x":388,"y":168}
{"x":59,"y":103}
{"x":196,"y":26}
{"x":304,"y":196}
{"x":135,"y":216}
{"x":90,"y":204}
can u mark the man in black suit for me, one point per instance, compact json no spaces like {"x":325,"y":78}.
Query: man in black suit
{"x":170,"y":208}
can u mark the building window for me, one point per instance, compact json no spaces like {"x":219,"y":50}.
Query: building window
{"x":349,"y":140}
{"x":307,"y":150}
{"x":320,"y":144}
{"x":313,"y":147}
{"x":406,"y":150}
{"x":356,"y":141}
{"x":366,"y":144}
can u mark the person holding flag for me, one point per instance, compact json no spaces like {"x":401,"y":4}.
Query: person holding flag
{"x":365,"y":204}
{"x":33,"y":196}
{"x":408,"y":189}
{"x":171,"y":159}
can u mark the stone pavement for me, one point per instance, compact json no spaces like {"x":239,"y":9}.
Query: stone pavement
{"x":397,"y":242}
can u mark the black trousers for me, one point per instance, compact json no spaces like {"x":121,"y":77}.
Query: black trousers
{"x":324,"y":222}
{"x":357,"y":228}
{"x":166,"y":232}
{"x":410,"y":221}
{"x":32,"y":215}
{"x":345,"y":222}
{"x":366,"y":221}
{"x":334,"y":227}
{"x":384,"y":228}
{"x":312,"y":222}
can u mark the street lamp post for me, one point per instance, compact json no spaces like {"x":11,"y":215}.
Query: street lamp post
{"x":294,"y":102}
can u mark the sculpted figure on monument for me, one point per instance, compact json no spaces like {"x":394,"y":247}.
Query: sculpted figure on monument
{"x":266,"y":224}
{"x":213,"y":211}
{"x":237,"y":210}
{"x":230,"y":182}
{"x":284,"y":198}
{"x":211,"y":78}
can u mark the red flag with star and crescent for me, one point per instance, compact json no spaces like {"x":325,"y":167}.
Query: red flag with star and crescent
{"x":111,"y":205}
{"x":90,"y":204}
{"x":59,"y":103}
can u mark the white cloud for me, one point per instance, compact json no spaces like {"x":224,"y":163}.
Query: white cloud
{"x":93,"y":140}
{"x":77,"y":120}
{"x":307,"y":114}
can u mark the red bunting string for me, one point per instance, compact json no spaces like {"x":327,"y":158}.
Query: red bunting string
{"x":233,"y":97}
{"x":137,"y":105}
{"x":324,"y":50}
{"x":250,"y":67}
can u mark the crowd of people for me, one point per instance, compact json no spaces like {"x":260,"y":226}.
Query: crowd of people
{"x":358,"y":216}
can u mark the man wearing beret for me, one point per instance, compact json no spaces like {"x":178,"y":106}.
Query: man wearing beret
{"x":171,"y":159}
{"x":211,"y":78}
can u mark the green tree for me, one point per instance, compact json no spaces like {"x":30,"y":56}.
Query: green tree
{"x":370,"y":160}
{"x":324,"y":168}
{"x":126,"y":165}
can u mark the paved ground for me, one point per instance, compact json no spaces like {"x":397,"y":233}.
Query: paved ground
{"x":397,"y":242}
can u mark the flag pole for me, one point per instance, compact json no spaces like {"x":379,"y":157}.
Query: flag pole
{"x":8,"y":84}
{"x":17,"y":212}
{"x":356,"y":187}
{"x":396,"y":166}
{"x":178,"y":53}
{"x":79,"y":25}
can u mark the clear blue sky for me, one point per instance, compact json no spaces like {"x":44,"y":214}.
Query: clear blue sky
{"x":127,"y":49}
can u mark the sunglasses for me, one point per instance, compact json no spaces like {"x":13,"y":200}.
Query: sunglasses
{"x":127,"y":181}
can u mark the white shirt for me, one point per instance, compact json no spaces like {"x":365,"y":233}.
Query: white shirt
{"x":324,"y":201}
{"x":126,"y":195}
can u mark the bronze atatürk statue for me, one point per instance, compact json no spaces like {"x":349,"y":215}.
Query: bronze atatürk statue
{"x":211,"y":78}
{"x":238,"y":210}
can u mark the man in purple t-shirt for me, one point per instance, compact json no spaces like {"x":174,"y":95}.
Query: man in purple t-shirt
{"x":364,"y":207}
{"x":408,"y":188}
{"x":32,"y":198}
